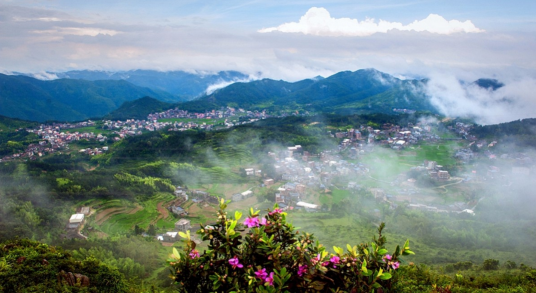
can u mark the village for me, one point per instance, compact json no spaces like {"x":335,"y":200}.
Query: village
{"x":55,"y":137}
{"x":298,"y":176}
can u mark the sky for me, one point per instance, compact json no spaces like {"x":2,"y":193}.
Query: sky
{"x":287,"y":40}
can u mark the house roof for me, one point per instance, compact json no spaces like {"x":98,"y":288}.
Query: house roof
{"x":76,"y":218}
{"x":182,"y":222}
{"x":306,"y":205}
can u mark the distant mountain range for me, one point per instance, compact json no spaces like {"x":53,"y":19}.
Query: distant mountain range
{"x":67,"y":99}
{"x":184,"y":85}
{"x":91,"y":94}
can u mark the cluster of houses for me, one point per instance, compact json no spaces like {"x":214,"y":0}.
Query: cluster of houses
{"x":393,"y":135}
{"x":181,"y":225}
{"x":177,"y":113}
{"x":54,"y":138}
{"x":463,"y":129}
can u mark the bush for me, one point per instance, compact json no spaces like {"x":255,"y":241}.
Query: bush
{"x":273,"y":257}
{"x":490,"y":264}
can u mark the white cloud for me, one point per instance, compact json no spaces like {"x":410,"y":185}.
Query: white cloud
{"x":78,"y":31}
{"x":318,"y":21}
{"x":221,"y":84}
{"x":511,"y":102}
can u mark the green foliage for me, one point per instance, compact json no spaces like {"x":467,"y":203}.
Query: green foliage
{"x":273,"y":257}
{"x":66,"y":99}
{"x":138,"y":109}
{"x":30,"y":266}
{"x":490,"y":264}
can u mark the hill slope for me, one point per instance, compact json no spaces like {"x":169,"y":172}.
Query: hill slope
{"x":365,"y":90}
{"x":138,"y":109}
{"x":66,"y":100}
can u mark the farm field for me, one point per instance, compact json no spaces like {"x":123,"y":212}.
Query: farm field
{"x":198,"y":121}
{"x":93,"y":129}
{"x":119,"y":216}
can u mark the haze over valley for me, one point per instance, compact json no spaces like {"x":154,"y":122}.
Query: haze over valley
{"x":198,"y":147}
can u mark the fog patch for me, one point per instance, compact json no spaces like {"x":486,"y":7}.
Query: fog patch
{"x":455,"y":98}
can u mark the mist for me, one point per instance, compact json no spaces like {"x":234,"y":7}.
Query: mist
{"x":454,"y":98}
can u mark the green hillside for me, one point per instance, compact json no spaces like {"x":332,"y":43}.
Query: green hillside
{"x":138,"y":109}
{"x":362,"y":91}
{"x":66,"y":100}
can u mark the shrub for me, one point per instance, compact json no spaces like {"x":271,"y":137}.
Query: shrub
{"x":272,"y":257}
{"x":490,"y":264}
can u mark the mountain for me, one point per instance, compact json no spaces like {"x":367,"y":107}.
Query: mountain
{"x":138,"y":109}
{"x":179,"y":83}
{"x":365,"y":90}
{"x":488,"y":83}
{"x":67,"y":99}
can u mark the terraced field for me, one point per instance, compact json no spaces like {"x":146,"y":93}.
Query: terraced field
{"x":119,"y":216}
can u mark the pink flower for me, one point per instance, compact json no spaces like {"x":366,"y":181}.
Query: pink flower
{"x":235,"y":263}
{"x":263,"y":222}
{"x":335,"y":260}
{"x":261,"y":274}
{"x":251,"y":222}
{"x":325,"y":264}
{"x":315,"y":259}
{"x":276,"y":211}
{"x":194,"y":254}
{"x":270,"y":279}
{"x":302,"y":270}
{"x":395,"y":265}
{"x":387,"y":257}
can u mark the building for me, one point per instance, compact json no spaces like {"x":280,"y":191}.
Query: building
{"x":178,"y":210}
{"x":183,"y":225}
{"x":75,"y":221}
{"x":169,"y":237}
{"x":237,"y":197}
{"x":443,"y":175}
{"x":307,"y":206}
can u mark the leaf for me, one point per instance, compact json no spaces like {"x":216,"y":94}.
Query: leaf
{"x":382,"y":251}
{"x":237,"y":215}
{"x":385,"y":276}
{"x":349,"y":247}
{"x":176,"y":254}
{"x":183,"y":235}
{"x":407,"y":251}
{"x":364,"y":266}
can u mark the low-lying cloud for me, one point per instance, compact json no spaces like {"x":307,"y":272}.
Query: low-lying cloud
{"x":515,"y":100}
{"x":222,"y":83}
{"x":318,"y":21}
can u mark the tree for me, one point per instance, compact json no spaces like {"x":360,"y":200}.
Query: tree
{"x":151,"y":230}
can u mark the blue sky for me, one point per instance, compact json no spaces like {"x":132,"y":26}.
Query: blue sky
{"x":57,"y":35}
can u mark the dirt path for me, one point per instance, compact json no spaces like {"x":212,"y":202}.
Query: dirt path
{"x":106,"y":214}
{"x":164,"y":213}
{"x":135,"y":210}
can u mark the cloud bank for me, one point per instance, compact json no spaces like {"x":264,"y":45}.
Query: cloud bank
{"x":515,"y":100}
{"x":318,"y":21}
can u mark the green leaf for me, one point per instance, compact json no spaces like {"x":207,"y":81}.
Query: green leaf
{"x":237,"y":215}
{"x":364,"y":266}
{"x":382,"y":251}
{"x":385,"y":276}
{"x":176,"y":254}
{"x":183,"y":235}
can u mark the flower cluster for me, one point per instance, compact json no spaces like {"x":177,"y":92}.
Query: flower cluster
{"x":235,"y":263}
{"x":394,"y":264}
{"x":266,"y":278}
{"x":254,"y":222}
